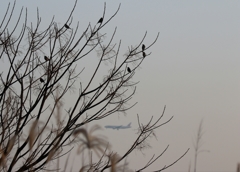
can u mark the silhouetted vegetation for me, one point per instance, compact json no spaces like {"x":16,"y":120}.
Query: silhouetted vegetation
{"x":39,"y":69}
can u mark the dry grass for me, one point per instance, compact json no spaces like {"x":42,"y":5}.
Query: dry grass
{"x":90,"y":141}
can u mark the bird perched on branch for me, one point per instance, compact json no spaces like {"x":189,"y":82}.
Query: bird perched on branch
{"x":144,"y":54}
{"x":129,"y":70}
{"x":143,"y":47}
{"x":41,"y":80}
{"x":46,"y":58}
{"x":100,"y":20}
{"x":66,"y":26}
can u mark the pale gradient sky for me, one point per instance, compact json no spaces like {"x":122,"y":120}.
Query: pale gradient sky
{"x":194,"y":69}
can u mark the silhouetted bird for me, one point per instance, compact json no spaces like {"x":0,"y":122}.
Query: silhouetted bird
{"x":144,"y":54}
{"x":66,"y":26}
{"x":100,"y":20}
{"x":41,"y":80}
{"x":46,"y":58}
{"x":143,"y":47}
{"x":129,"y":70}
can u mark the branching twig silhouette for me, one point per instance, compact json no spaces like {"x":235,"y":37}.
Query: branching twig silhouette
{"x":40,"y":68}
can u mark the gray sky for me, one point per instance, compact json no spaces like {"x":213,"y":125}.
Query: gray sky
{"x":193,"y":69}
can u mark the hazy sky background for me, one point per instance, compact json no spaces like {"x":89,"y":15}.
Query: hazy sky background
{"x":194,"y":70}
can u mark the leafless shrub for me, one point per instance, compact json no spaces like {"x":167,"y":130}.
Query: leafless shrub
{"x":39,"y":69}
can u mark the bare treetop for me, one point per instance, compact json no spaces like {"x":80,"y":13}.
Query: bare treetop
{"x":36,"y":127}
